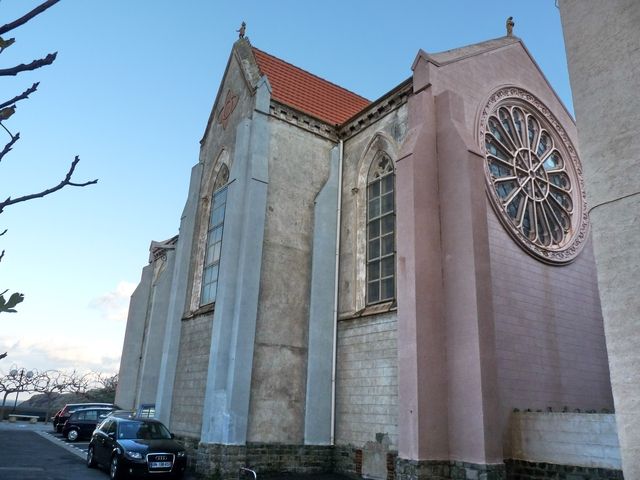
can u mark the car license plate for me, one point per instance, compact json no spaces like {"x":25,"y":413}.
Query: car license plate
{"x":160,"y":464}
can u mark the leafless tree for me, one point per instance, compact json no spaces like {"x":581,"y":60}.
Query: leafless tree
{"x":17,"y":381}
{"x":7,"y":110}
{"x":50,"y":384}
{"x":78,"y":382}
{"x":107,"y":381}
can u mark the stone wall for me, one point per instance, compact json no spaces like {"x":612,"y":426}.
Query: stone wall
{"x":224,"y":461}
{"x":447,"y":470}
{"x":298,"y":165}
{"x":191,"y":370}
{"x":602,"y":41}
{"x":367,"y":383}
{"x":550,"y":345}
{"x":580,"y":439}
{"x":523,"y":470}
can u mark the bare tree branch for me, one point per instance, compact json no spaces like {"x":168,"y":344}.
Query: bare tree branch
{"x":7,"y":147}
{"x":44,"y":193}
{"x":48,"y":60}
{"x":2,"y":355}
{"x":25,"y":18}
{"x":22,"y":96}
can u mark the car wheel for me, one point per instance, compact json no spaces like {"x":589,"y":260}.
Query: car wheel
{"x":72,"y":435}
{"x":91,"y":461}
{"x":114,"y":468}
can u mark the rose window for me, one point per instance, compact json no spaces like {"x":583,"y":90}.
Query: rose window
{"x":532,"y":178}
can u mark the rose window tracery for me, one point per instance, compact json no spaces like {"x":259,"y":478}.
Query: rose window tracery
{"x":533,"y":176}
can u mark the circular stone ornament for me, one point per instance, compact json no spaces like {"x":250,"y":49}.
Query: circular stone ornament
{"x":533,"y":176}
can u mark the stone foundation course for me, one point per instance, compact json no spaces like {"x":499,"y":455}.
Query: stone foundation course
{"x":223,"y":462}
{"x":447,"y":470}
{"x":523,"y":470}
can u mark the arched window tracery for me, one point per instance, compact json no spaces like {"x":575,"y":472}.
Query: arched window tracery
{"x":215,"y":231}
{"x":380,"y":270}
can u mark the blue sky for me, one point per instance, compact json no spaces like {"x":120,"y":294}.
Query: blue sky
{"x":131,"y":92}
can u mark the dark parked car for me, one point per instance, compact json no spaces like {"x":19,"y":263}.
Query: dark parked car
{"x":82,"y":422}
{"x":136,"y":447}
{"x":146,"y":410}
{"x":63,"y":415}
{"x":122,"y":413}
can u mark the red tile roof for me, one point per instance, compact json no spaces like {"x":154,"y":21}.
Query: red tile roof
{"x":308,"y":93}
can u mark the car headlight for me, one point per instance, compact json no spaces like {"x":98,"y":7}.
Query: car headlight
{"x":136,"y":455}
{"x":182,"y":453}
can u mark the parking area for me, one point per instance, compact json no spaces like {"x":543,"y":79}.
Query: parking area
{"x":79,"y":446}
{"x":34,"y":451}
{"x":28,"y":454}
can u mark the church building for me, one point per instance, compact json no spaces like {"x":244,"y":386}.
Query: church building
{"x":401,"y":288}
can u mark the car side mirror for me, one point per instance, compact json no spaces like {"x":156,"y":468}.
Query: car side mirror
{"x":111,"y":434}
{"x":173,"y":435}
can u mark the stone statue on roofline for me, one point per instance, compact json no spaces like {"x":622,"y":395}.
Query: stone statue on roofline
{"x":510,"y":25}
{"x":241,"y":30}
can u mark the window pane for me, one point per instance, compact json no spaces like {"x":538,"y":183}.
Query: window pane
{"x":387,"y":224}
{"x":374,"y":229}
{"x":374,"y":208}
{"x":373,"y":292}
{"x":213,"y":291}
{"x":374,"y":189}
{"x":387,"y":289}
{"x":221,"y":196}
{"x":374,"y":249}
{"x":387,"y":203}
{"x":373,"y":271}
{"x":387,"y":184}
{"x":207,"y":275}
{"x":217,"y":234}
{"x":214,"y":273}
{"x":217,"y":216}
{"x":387,"y":245}
{"x":387,"y":266}
{"x":206,"y":294}
{"x":209,"y":257}
{"x":216,"y":251}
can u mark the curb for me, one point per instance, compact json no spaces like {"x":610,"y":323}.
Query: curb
{"x":78,"y":452}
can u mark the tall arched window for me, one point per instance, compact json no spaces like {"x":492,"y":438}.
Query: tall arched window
{"x":214,"y":238}
{"x":381,"y":220}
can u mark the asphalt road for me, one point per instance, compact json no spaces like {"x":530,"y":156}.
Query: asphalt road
{"x":26,"y":455}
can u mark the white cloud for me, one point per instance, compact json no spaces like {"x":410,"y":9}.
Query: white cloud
{"x":60,"y":354}
{"x":114,"y":305}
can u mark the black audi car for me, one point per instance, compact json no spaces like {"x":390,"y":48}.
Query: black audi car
{"x":136,"y":448}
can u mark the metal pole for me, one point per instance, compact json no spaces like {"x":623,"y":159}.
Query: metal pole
{"x":18,"y":390}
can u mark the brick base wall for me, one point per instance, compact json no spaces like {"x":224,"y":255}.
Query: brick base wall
{"x":447,"y":470}
{"x":224,"y":461}
{"x":191,"y":446}
{"x":523,"y":470}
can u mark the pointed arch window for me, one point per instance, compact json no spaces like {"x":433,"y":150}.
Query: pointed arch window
{"x":381,"y":222}
{"x":214,"y":238}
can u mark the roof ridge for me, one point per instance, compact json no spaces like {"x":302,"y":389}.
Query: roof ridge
{"x":309,"y":73}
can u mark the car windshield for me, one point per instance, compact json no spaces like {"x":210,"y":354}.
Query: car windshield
{"x":143,"y":431}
